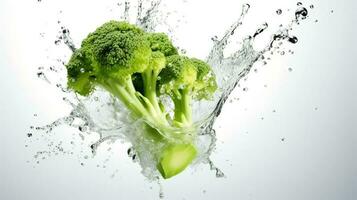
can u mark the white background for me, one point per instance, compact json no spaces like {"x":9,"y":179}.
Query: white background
{"x":315,"y":108}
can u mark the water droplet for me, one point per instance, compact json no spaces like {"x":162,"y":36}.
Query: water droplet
{"x":82,"y":70}
{"x":262,"y":28}
{"x":214,"y":38}
{"x":82,"y":128}
{"x":219,"y":173}
{"x":293,"y":39}
{"x":279,"y":11}
{"x":301,"y":13}
{"x":161,"y":195}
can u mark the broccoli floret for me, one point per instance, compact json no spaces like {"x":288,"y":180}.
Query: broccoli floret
{"x":177,"y":80}
{"x":183,"y":79}
{"x":137,"y":67}
{"x":162,"y":43}
{"x":205,"y":84}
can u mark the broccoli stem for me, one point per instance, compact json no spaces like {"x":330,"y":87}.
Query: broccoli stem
{"x":126,"y":97}
{"x":182,"y":102}
{"x":150,"y":78}
{"x":186,"y":104}
{"x":178,"y":151}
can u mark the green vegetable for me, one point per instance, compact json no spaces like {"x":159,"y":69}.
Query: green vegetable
{"x":138,"y":68}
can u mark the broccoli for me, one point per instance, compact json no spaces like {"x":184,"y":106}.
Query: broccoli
{"x":140,"y":68}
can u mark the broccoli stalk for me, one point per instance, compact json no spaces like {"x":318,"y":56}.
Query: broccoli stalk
{"x":138,"y":68}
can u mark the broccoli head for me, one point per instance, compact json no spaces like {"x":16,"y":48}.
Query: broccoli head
{"x":137,"y":68}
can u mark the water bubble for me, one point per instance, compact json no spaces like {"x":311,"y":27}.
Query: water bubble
{"x":290,"y":69}
{"x":299,"y":4}
{"x":312,"y":6}
{"x":245,"y":89}
{"x":331,"y":11}
{"x":279,"y":11}
{"x":282,"y":53}
{"x":301,"y":13}
{"x":82,"y":128}
{"x":29,"y":134}
{"x":293,"y":39}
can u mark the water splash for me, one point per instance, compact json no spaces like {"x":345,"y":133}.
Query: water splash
{"x":102,"y":114}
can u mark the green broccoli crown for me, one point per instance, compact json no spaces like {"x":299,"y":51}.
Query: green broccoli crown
{"x":80,"y":72}
{"x":119,"y":49}
{"x":202,"y":68}
{"x":206,"y":84}
{"x":179,"y":71}
{"x":162,"y":43}
{"x":115,"y":49}
{"x":157,"y":61}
